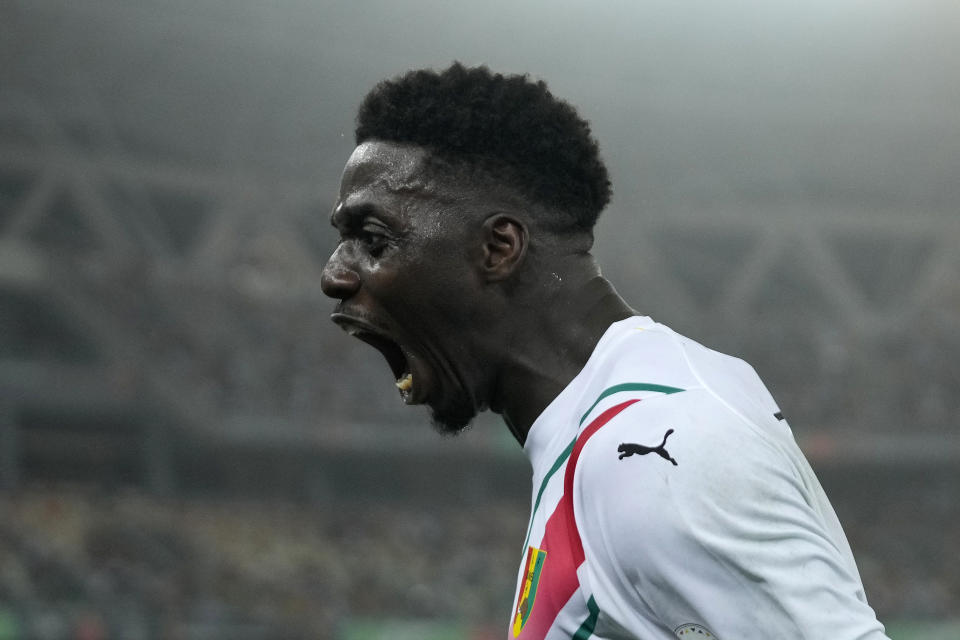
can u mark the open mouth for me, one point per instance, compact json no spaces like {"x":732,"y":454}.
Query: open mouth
{"x":392,"y":352}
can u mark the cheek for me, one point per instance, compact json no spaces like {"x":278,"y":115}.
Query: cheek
{"x":431,"y":280}
{"x":436,"y":289}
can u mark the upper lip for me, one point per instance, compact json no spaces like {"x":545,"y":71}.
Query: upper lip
{"x":376,"y":338}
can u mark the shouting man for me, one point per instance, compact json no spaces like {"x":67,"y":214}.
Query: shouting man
{"x":466,"y":217}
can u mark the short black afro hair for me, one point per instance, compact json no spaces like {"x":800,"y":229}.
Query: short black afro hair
{"x":510,"y":128}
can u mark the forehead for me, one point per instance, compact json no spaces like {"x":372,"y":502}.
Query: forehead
{"x":401,"y":184}
{"x":383,"y":168}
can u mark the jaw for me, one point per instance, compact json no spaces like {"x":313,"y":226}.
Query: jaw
{"x":418,"y":373}
{"x":460,"y":402}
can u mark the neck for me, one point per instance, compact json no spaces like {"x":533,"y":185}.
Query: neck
{"x":552,"y":334}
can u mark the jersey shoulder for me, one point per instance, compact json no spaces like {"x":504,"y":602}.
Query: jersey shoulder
{"x":683,"y":501}
{"x":694,"y":428}
{"x":680,"y":449}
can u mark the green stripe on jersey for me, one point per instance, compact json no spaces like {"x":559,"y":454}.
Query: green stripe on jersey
{"x":626,"y":386}
{"x":543,"y":486}
{"x":630,"y":386}
{"x":586,"y":629}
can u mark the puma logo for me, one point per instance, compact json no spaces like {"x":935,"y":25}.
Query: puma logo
{"x":627,"y":449}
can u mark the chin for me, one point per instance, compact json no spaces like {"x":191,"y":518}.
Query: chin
{"x":452,"y":420}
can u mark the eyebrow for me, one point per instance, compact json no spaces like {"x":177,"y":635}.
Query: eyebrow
{"x":407,"y":185}
{"x":346,"y":215}
{"x":396,"y":185}
{"x":401,"y":186}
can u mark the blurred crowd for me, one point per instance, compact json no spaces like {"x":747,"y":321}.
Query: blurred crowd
{"x":79,"y":566}
{"x":905,"y":534}
{"x":830,"y":380}
{"x":83,"y":566}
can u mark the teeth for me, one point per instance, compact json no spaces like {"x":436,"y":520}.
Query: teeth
{"x":353,"y":331}
{"x":405,"y":383}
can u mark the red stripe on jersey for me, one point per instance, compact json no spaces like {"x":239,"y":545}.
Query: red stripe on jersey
{"x":561,"y":541}
{"x":592,"y":428}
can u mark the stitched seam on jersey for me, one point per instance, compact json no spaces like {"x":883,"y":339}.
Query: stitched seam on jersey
{"x":586,"y":629}
{"x":754,"y":427}
{"x":627,"y":386}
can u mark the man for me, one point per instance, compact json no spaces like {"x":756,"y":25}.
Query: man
{"x":465,"y":217}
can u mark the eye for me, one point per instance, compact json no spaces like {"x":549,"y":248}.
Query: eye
{"x":374,"y":239}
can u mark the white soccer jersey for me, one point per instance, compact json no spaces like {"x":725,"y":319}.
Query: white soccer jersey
{"x":670,"y":500}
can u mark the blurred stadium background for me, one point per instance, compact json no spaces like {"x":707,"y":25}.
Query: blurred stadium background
{"x":189,"y":449}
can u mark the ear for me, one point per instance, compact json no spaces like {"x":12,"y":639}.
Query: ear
{"x":505,"y":240}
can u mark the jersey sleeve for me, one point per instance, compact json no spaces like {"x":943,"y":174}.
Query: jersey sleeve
{"x":728,"y":539}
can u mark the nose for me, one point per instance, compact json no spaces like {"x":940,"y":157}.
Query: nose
{"x":337,"y":279}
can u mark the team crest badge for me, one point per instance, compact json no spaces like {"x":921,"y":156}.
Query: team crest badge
{"x":531,"y":578}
